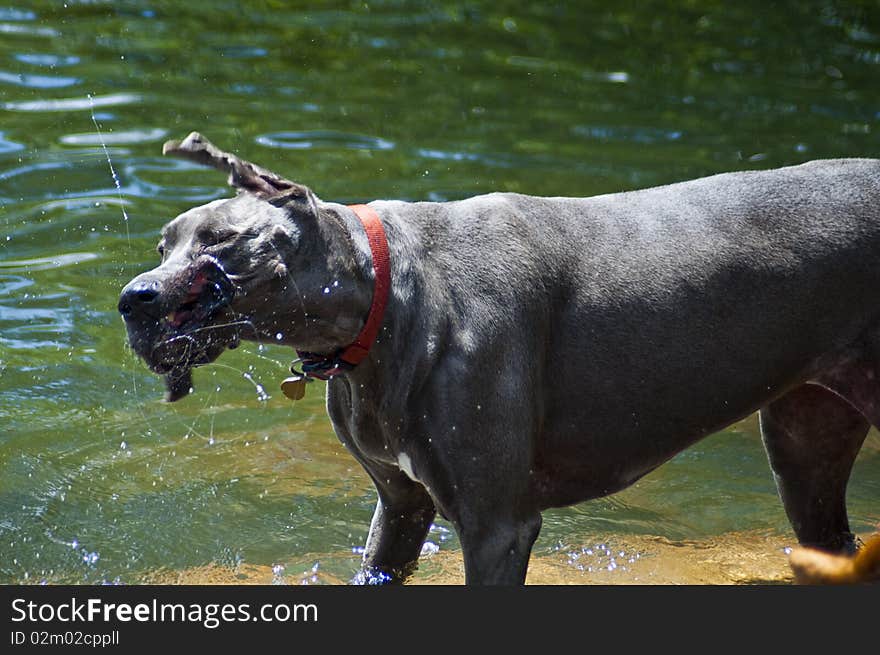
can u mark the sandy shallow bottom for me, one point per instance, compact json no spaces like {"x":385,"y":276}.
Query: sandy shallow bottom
{"x":729,"y":559}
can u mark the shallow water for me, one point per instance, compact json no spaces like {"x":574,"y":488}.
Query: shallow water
{"x":101,"y":481}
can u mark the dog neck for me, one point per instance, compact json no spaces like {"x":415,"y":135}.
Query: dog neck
{"x":322,"y":366}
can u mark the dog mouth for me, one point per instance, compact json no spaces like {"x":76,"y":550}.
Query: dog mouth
{"x":206,"y":296}
{"x":195,"y":332}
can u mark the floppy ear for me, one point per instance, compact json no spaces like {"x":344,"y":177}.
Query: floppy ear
{"x":243,"y":175}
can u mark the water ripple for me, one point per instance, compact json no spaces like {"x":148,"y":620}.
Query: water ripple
{"x":73,"y":104}
{"x":487,"y":159}
{"x":243,"y":52}
{"x":26,"y":317}
{"x":616,"y":77}
{"x":11,"y":13}
{"x":8,"y":146}
{"x":629,"y":134}
{"x":7,"y":28}
{"x":144,"y":135}
{"x":30,"y":168}
{"x":12,"y":283}
{"x":323,"y":139}
{"x":431,"y":153}
{"x":45,"y":263}
{"x":35,"y":321}
{"x":47,"y":60}
{"x":83,"y":203}
{"x":37,"y":81}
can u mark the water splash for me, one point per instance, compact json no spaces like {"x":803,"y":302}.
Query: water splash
{"x":261,"y":391}
{"x":311,"y":576}
{"x":599,"y":557}
{"x":112,"y":169}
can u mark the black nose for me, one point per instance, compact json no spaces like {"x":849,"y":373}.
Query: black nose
{"x":138,"y":295}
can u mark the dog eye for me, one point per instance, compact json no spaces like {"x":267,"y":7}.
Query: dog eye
{"x":161,"y":250}
{"x":212,"y":238}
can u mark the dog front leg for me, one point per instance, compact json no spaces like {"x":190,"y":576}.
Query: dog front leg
{"x":403,"y":515}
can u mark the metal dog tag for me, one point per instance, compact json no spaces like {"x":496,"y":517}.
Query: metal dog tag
{"x":294,"y":387}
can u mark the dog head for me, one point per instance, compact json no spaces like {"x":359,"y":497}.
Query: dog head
{"x":244,"y":267}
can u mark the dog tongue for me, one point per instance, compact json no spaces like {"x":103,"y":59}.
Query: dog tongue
{"x":177,"y":385}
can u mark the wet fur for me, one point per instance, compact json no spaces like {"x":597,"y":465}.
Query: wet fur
{"x":538,"y":352}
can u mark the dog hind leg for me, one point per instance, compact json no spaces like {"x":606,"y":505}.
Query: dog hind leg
{"x":812,"y":436}
{"x":497,"y":552}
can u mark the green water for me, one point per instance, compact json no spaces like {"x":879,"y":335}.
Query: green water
{"x":101,"y":481}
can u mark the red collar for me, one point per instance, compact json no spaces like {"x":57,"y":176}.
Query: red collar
{"x":324,"y":367}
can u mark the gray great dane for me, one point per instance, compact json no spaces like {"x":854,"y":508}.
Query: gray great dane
{"x":537,"y":352}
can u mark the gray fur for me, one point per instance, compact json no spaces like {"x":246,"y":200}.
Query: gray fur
{"x":538,"y":352}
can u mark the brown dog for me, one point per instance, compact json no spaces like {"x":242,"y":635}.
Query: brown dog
{"x":813,"y":566}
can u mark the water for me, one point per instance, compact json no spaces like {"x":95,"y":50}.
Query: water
{"x":102,"y":482}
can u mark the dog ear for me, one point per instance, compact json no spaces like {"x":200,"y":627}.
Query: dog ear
{"x":243,"y":174}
